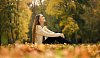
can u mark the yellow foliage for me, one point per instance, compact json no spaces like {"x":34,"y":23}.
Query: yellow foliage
{"x":58,"y":8}
{"x":52,"y":7}
{"x":72,"y":5}
{"x":70,"y":26}
{"x":24,"y":18}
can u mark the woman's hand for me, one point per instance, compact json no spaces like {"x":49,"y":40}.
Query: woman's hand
{"x":62,"y":35}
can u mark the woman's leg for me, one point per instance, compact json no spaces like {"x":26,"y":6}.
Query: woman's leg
{"x":62,"y":40}
{"x":51,"y":40}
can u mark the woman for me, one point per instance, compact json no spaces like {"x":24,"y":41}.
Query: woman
{"x":39,"y":31}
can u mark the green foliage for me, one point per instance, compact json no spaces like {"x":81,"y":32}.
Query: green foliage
{"x":91,"y":16}
{"x":70,"y":26}
{"x":63,"y":10}
{"x":52,"y":24}
{"x":4,"y":39}
{"x":86,"y":14}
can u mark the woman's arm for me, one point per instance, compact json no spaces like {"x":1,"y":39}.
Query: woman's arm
{"x":41,"y":31}
{"x":46,"y":29}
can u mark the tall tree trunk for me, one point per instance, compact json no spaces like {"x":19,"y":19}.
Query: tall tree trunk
{"x":12,"y":36}
{"x":10,"y":21}
{"x":0,"y":33}
{"x":17,"y":20}
{"x":0,"y":39}
{"x":34,"y":13}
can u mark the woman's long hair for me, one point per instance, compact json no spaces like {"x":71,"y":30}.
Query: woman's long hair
{"x":36,"y":22}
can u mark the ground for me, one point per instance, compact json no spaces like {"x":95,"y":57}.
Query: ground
{"x":50,"y":51}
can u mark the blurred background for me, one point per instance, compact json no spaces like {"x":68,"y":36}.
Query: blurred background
{"x":79,"y":20}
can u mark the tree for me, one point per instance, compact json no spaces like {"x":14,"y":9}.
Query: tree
{"x":82,"y":11}
{"x":91,"y":17}
{"x":63,"y":9}
{"x":14,"y":18}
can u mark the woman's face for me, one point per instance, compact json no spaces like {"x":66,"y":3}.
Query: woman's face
{"x":42,"y":19}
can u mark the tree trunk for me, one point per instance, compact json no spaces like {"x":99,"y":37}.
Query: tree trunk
{"x":0,"y":39}
{"x":34,"y":13}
